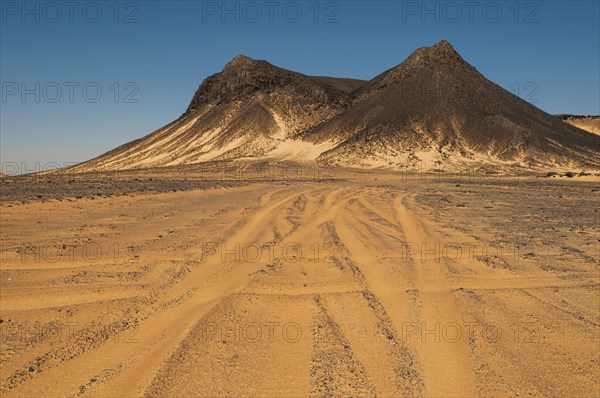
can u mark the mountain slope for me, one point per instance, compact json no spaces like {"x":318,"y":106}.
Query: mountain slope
{"x":587,"y":123}
{"x":434,"y":109}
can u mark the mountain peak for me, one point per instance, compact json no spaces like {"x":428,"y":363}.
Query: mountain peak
{"x":240,"y":60}
{"x":439,"y":52}
{"x":443,"y":50}
{"x":443,"y":45}
{"x":440,"y":55}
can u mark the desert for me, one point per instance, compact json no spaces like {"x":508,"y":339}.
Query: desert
{"x":424,"y":233}
{"x":361,"y":284}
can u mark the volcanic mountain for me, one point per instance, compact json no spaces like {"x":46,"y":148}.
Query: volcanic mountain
{"x":433,"y":109}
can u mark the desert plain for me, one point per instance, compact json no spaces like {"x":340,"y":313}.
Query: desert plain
{"x":305,"y":282}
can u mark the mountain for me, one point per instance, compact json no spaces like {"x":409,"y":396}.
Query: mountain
{"x":436,"y":109}
{"x":433,"y":109}
{"x":587,"y":122}
{"x":245,"y":111}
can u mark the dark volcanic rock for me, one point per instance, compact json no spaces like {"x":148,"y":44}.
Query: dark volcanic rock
{"x":244,"y":77}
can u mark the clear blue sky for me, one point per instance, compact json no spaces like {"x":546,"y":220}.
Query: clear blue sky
{"x":549,"y":50}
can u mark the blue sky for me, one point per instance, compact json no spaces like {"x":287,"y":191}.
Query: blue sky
{"x":147,"y":58}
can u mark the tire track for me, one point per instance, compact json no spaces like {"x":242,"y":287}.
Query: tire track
{"x":446,"y":364}
{"x":335,"y":371}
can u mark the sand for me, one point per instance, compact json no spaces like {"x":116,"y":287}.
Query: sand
{"x":367,"y":285}
{"x":591,"y":124}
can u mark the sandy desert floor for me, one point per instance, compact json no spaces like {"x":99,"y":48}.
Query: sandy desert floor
{"x":368,"y":285}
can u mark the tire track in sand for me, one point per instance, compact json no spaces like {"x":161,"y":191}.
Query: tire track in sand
{"x":446,"y":364}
